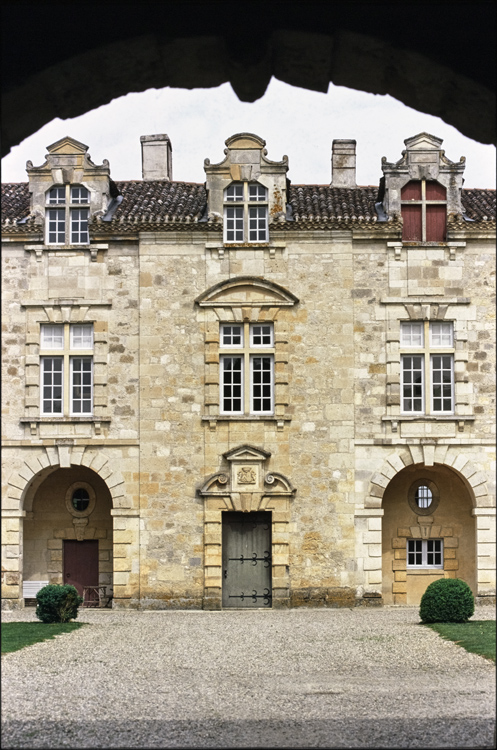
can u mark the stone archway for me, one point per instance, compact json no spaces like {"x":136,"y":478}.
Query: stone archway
{"x":415,"y":57}
{"x":436,"y":539}
{"x":21,"y":490}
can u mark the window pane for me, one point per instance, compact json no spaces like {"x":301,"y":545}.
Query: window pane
{"x":441,"y":334}
{"x":411,"y":334}
{"x":258,"y":224}
{"x":262,"y":335}
{"x":82,"y":336}
{"x":234,"y":224}
{"x":52,"y":337}
{"x":423,"y":497}
{"x":442,"y":383}
{"x":257,"y":193}
{"x":412,"y":384}
{"x":411,"y":191}
{"x":411,"y":228}
{"x":79,"y":226}
{"x":435,"y":191}
{"x":81,"y":385}
{"x":436,"y":222}
{"x":262,"y":384}
{"x":57,"y":195}
{"x":231,"y":335}
{"x":79,"y":194}
{"x":56,"y":218}
{"x":51,"y":385}
{"x":234,"y":193}
{"x":231,"y":384}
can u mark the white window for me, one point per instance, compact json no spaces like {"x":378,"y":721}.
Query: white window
{"x":247,"y":372}
{"x":424,"y":553}
{"x":248,"y":221}
{"x":427,"y":368}
{"x":68,"y":225}
{"x":66,"y":379}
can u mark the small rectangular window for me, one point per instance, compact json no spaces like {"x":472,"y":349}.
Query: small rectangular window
{"x":79,"y":194}
{"x":51,"y":385}
{"x":82,"y":336}
{"x":234,"y":193}
{"x":441,"y":334}
{"x":261,"y":334}
{"x":52,"y":337}
{"x":57,"y":195}
{"x":231,"y":335}
{"x":424,"y":553}
{"x":411,"y":334}
{"x":257,"y":193}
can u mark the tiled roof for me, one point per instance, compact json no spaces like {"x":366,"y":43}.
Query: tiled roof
{"x":165,"y":203}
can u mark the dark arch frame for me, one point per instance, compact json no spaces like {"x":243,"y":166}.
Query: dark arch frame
{"x":438,"y":59}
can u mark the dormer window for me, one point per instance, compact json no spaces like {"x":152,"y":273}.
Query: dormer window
{"x":68,"y":223}
{"x":247,"y":221}
{"x":424,"y":211}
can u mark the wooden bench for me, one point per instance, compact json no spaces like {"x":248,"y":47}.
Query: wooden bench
{"x":29,"y":591}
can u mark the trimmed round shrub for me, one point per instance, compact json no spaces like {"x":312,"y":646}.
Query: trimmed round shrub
{"x":57,"y":603}
{"x":447,"y":600}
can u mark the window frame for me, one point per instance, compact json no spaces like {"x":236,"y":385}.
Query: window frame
{"x":424,"y":551}
{"x":67,"y":354}
{"x":67,"y":215}
{"x":424,"y":203}
{"x":238,"y":201}
{"x":427,"y":352}
{"x":248,"y":352}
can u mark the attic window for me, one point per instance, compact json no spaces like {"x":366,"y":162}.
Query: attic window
{"x":68,"y":223}
{"x":424,"y":211}
{"x":248,"y":221}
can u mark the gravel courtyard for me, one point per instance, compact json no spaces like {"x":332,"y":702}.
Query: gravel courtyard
{"x":327,"y":678}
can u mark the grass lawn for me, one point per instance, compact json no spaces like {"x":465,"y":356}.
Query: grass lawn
{"x":477,"y":636}
{"x":17,"y":635}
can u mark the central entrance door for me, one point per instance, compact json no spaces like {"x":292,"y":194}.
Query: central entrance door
{"x":247,"y":559}
{"x":81,"y":563}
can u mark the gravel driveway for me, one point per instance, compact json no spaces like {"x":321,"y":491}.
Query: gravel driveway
{"x":326,"y":678}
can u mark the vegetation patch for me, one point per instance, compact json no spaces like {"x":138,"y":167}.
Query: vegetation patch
{"x":17,"y":635}
{"x":477,"y":636}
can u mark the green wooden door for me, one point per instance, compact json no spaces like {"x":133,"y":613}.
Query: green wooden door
{"x":247,"y":559}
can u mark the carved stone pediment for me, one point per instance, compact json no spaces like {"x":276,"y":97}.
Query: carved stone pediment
{"x":246,"y":453}
{"x":246,"y":291}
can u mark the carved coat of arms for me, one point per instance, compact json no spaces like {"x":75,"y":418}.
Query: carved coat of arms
{"x":246,"y":475}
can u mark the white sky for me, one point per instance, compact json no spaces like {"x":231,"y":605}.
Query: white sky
{"x":299,"y":123}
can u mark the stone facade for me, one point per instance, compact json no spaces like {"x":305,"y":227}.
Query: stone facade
{"x":165,"y":270}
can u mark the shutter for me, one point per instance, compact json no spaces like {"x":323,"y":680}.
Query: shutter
{"x":436,"y":222}
{"x":411,"y":191}
{"x":411,"y":230}
{"x":435,"y":191}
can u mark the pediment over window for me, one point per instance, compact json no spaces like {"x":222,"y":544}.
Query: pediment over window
{"x":246,"y":453}
{"x":246,"y":291}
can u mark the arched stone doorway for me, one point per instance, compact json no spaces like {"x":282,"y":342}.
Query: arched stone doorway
{"x":428,"y":532}
{"x":67,"y":534}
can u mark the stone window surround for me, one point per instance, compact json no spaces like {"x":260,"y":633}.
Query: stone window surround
{"x":271,"y":491}
{"x":426,"y":528}
{"x":422,"y":309}
{"x":64,"y":311}
{"x":259,"y":311}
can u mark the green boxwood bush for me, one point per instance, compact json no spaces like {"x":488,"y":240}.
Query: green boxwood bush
{"x":57,"y":603}
{"x":447,"y":600}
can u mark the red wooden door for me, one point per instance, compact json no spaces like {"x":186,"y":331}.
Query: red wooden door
{"x":81,"y":563}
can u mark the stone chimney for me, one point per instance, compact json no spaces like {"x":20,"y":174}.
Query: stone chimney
{"x":157,"y":157}
{"x":343,"y":164}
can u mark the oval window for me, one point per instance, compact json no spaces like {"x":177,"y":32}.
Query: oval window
{"x":423,"y":496}
{"x":80,"y":499}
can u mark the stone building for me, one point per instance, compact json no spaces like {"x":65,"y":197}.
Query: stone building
{"x":248,"y":393}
